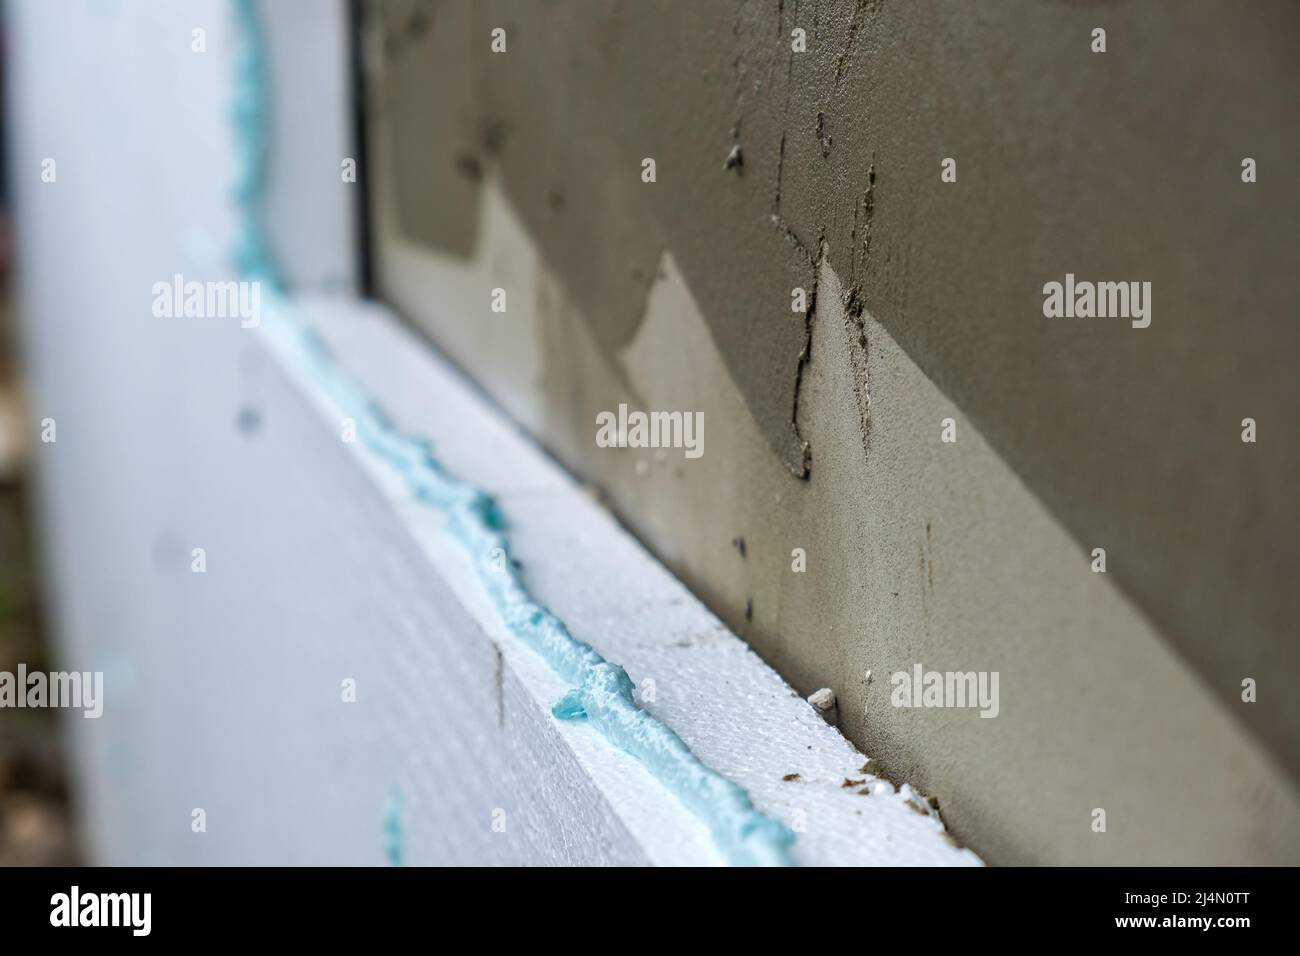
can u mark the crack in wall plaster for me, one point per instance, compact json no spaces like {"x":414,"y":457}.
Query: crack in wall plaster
{"x":854,"y":24}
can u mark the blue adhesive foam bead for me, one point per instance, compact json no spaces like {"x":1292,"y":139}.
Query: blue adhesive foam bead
{"x":602,"y":692}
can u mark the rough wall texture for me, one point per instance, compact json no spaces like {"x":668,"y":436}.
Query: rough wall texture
{"x":522,"y":170}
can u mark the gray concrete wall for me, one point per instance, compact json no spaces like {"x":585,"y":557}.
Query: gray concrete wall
{"x":521,"y":170}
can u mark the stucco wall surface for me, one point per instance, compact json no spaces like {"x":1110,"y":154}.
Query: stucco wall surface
{"x":522,"y":170}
